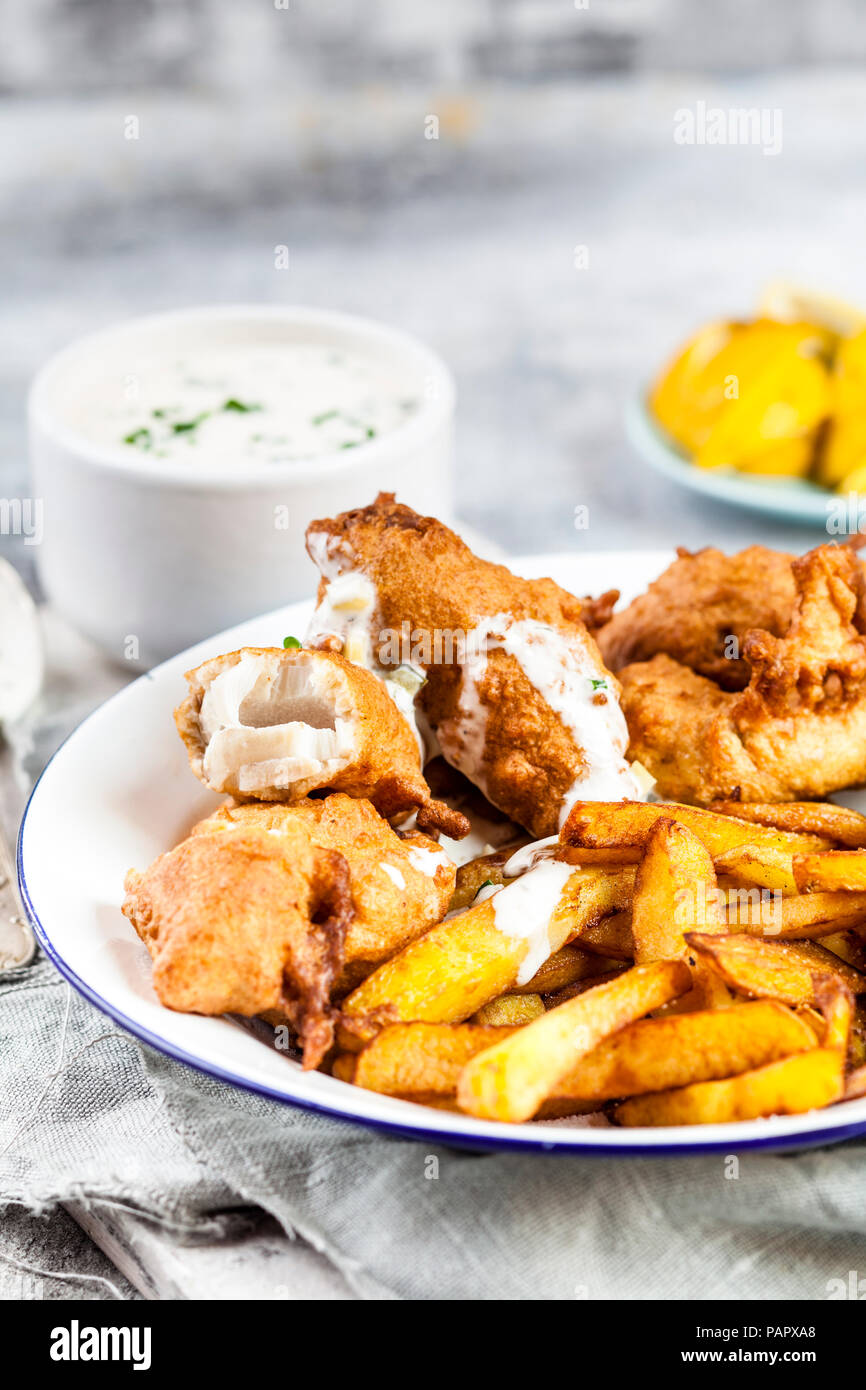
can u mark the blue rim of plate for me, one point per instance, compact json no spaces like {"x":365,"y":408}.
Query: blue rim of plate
{"x":792,"y":499}
{"x":555,"y":1146}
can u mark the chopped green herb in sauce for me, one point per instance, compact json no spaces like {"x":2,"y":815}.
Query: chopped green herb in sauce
{"x":187,"y":426}
{"x":309,"y":400}
{"x":290,"y":642}
{"x":598,"y":685}
{"x":142,"y":439}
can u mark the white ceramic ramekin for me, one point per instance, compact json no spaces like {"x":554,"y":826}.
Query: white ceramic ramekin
{"x":147,"y":557}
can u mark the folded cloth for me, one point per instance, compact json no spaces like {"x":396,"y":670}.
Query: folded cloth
{"x":91,"y":1116}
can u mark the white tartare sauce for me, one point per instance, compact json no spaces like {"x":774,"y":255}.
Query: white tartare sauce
{"x":523,"y":909}
{"x":575,"y":687}
{"x":348,"y":615}
{"x":394,"y":874}
{"x":529,"y":855}
{"x":427,"y":861}
{"x":246,"y":404}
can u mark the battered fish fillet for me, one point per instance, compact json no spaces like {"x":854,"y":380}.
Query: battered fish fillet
{"x":798,"y":731}
{"x":514,"y":689}
{"x":697,"y":605}
{"x":274,"y":725}
{"x":276,"y":910}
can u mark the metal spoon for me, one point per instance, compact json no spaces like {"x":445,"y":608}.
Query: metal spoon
{"x":21,"y":673}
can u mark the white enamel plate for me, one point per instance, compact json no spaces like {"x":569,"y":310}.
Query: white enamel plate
{"x":119,"y":792}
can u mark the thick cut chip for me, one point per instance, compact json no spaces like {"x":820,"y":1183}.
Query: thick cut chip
{"x":782,"y":970}
{"x":837,"y":823}
{"x":855,"y":1086}
{"x":675,"y":890}
{"x":766,"y":866}
{"x":659,"y":1053}
{"x":464,"y":962}
{"x":793,"y":919}
{"x":610,"y":937}
{"x":510,"y":1010}
{"x":837,"y":870}
{"x":565,"y":967}
{"x":511,"y":1079}
{"x":836,"y":1003}
{"x":804,"y":1082}
{"x":424,"y":1059}
{"x":612,"y":824}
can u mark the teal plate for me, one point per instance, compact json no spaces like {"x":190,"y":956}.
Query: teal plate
{"x":790,"y":499}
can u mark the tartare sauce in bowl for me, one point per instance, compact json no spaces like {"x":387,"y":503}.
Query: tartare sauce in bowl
{"x":245,"y":404}
{"x":181,"y":457}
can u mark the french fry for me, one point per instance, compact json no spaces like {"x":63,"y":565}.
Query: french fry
{"x":611,"y":937}
{"x":806,"y":916}
{"x":511,"y":1079}
{"x":855,"y":1086}
{"x":838,"y":824}
{"x":446,"y":975}
{"x":657,"y":1054}
{"x":490,"y":868}
{"x":474,"y":875}
{"x":836,"y":1003}
{"x":567,"y":965}
{"x":766,"y":866}
{"x":552,"y":1001}
{"x":611,"y":824}
{"x":583,"y":856}
{"x":848,"y":946}
{"x":857,"y":1036}
{"x":806,"y":1081}
{"x":675,"y":888}
{"x":424,"y":1059}
{"x":833,"y":871}
{"x":510,"y":1010}
{"x":762,"y":969}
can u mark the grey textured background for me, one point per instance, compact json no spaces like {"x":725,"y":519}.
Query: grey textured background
{"x":305,"y":126}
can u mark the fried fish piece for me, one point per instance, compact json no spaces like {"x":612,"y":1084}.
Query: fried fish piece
{"x":798,"y":730}
{"x":700,"y":609}
{"x":513,"y":685}
{"x":276,"y":910}
{"x":271,"y":724}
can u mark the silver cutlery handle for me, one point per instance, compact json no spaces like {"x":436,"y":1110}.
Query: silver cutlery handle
{"x":16,"y":939}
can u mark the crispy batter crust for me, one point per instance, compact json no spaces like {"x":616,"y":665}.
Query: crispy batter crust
{"x":797,"y":731}
{"x":275,"y":909}
{"x":695,"y":607}
{"x":425,"y":575}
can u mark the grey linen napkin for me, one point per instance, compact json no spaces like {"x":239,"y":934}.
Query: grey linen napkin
{"x":90,"y":1115}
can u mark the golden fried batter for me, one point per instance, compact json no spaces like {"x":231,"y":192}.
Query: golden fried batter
{"x":797,"y":731}
{"x":697,"y":605}
{"x":515,"y":690}
{"x":274,"y":909}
